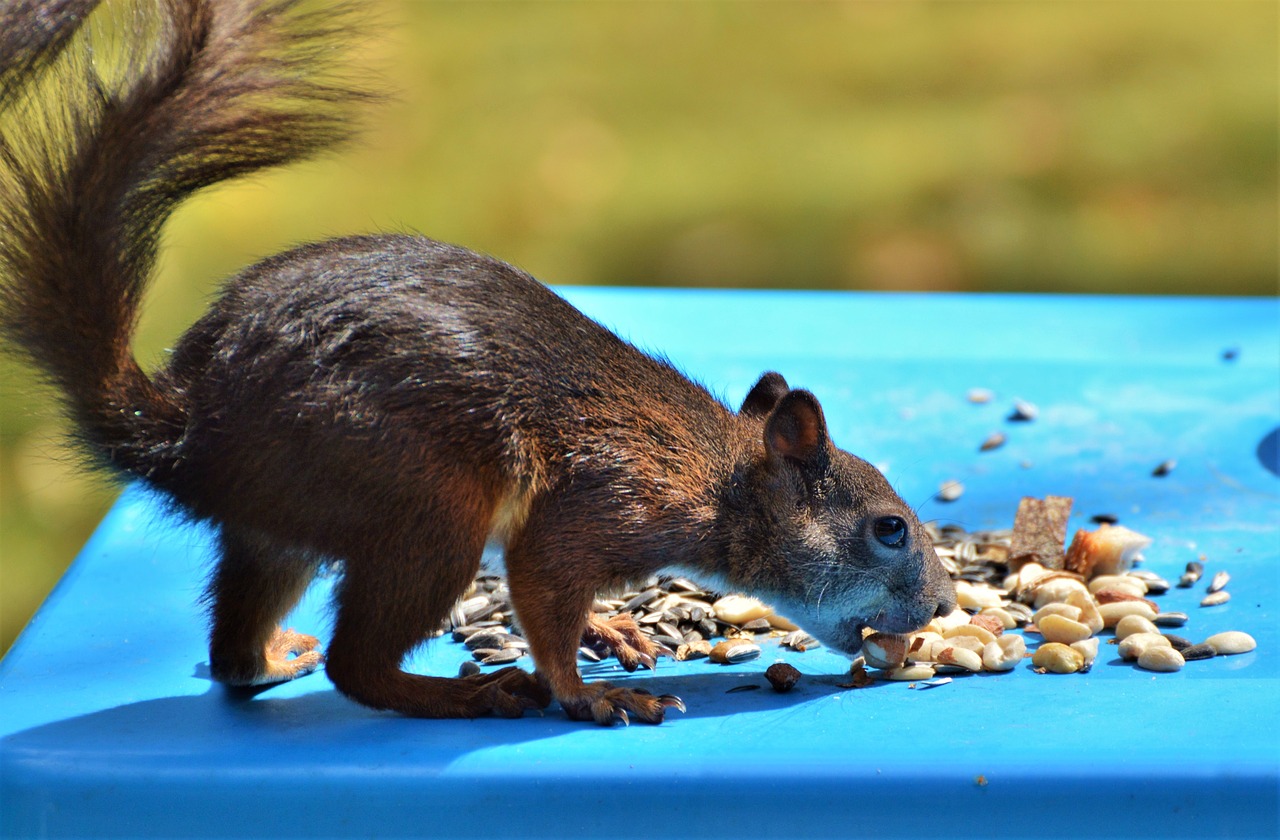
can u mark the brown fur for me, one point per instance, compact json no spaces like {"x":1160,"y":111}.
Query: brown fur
{"x":394,"y":402}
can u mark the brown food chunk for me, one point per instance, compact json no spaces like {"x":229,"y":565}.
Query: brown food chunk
{"x":1039,"y":531}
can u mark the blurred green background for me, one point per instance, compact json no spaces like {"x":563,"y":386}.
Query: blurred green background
{"x":1033,"y":146}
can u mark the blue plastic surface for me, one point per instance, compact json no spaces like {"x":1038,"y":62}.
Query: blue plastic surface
{"x":110,"y":726}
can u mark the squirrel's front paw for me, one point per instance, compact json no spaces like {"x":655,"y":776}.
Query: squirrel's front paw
{"x":607,"y":705}
{"x":623,"y":636}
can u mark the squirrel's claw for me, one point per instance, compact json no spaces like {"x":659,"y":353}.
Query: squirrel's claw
{"x":671,"y":701}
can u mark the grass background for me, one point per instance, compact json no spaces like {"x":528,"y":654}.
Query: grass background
{"x":1095,"y":147}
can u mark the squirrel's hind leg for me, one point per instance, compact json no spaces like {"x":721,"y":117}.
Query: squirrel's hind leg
{"x":399,"y":589}
{"x":256,"y":583}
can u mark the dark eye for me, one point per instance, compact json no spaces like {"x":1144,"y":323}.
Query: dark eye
{"x":891,"y":530}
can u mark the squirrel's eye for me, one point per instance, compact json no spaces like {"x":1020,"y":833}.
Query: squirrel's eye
{"x":891,"y":530}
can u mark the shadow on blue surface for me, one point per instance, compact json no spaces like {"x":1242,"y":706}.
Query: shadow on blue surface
{"x":1269,"y":451}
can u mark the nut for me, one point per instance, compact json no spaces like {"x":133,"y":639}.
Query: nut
{"x":739,"y":609}
{"x":1131,"y":624}
{"x":1058,"y":628}
{"x":1063,"y":609}
{"x":1136,"y":644}
{"x":1232,"y":641}
{"x":1057,"y":658}
{"x":967,"y":659}
{"x":1161,"y":659}
{"x":977,"y":631}
{"x":885,"y":650}
{"x":1112,"y":613}
{"x":1004,"y":653}
{"x":1088,"y":648}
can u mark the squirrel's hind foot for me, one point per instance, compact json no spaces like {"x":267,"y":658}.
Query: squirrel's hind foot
{"x":606,"y":704}
{"x":287,"y":655}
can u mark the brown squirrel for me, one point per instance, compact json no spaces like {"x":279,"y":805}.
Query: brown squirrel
{"x":395,"y":402}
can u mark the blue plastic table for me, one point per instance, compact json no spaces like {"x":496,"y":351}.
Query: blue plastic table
{"x":110,"y":726}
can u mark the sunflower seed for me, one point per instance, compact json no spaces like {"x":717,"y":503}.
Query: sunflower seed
{"x":950,"y":490}
{"x":1200,"y":651}
{"x":1164,"y":468}
{"x":1023,"y":412}
{"x":1219,"y":582}
{"x":1215,"y":599}
{"x":1192,"y":574}
{"x":502,"y":657}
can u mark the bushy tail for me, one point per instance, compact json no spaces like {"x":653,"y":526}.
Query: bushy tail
{"x":213,"y":89}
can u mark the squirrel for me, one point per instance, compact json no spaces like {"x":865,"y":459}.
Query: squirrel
{"x":394,"y":402}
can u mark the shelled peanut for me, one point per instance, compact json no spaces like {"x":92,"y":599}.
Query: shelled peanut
{"x":1063,"y":604}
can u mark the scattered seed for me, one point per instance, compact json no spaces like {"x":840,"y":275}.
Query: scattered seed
{"x":1023,"y":412}
{"x":1171,"y":619}
{"x":468,"y":668}
{"x":733,"y":651}
{"x":502,"y":657}
{"x":1203,"y":650}
{"x":950,"y":490}
{"x":1161,"y":659}
{"x":1057,"y":658}
{"x":1215,"y":598}
{"x":1219,"y":582}
{"x":1232,"y":641}
{"x":978,"y":396}
{"x":589,"y":654}
{"x":1178,"y":643}
{"x":1164,"y":468}
{"x":1104,"y":519}
{"x":994,"y":441}
{"x":1192,"y":574}
{"x":782,"y":676}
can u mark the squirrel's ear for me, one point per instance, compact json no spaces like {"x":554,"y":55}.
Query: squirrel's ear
{"x":797,"y":429}
{"x":765,"y":395}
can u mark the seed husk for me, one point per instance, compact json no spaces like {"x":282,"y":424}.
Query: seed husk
{"x":738,"y":689}
{"x":1215,"y":599}
{"x":950,"y":490}
{"x":1219,"y":582}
